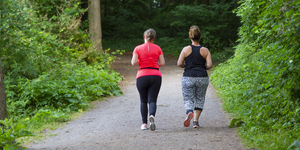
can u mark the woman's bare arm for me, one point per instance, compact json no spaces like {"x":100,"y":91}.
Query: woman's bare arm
{"x":134,"y":60}
{"x":180,"y":61}
{"x":161,"y":60}
{"x":208,"y":60}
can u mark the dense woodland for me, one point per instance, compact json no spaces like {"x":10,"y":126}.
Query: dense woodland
{"x":51,"y":68}
{"x":125,"y":21}
{"x":261,"y":85}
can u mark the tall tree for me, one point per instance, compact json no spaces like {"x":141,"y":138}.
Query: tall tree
{"x":95,"y":23}
{"x":3,"y":107}
{"x":206,"y":2}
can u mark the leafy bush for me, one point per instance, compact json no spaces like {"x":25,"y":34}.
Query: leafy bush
{"x":41,"y":61}
{"x":10,"y":131}
{"x":263,"y":77}
{"x":51,"y":68}
{"x":70,"y":86}
{"x":16,"y":127}
{"x":32,"y":44}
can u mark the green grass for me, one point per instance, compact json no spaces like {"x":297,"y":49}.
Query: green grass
{"x":268,"y":140}
{"x":43,"y":130}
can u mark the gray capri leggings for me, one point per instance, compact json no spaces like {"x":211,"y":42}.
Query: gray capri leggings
{"x":193,"y":92}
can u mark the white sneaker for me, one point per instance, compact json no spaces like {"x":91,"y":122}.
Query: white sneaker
{"x":152,"y":124}
{"x":144,"y":127}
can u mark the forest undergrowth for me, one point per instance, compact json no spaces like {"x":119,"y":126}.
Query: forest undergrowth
{"x":260,"y":85}
{"x":52,"y":70}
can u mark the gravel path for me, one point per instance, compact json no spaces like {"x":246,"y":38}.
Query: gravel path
{"x":115,"y":122}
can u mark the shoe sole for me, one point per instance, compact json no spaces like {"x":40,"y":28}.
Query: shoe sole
{"x":195,"y":126}
{"x":187,"y":121}
{"x":152,"y":124}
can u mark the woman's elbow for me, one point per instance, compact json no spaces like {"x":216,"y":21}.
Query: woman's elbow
{"x":181,"y":65}
{"x":208,"y":66}
{"x":161,"y":64}
{"x":133,"y":63}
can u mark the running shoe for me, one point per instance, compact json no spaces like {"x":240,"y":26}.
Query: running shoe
{"x":152,"y":124}
{"x":188,"y":119}
{"x":144,"y":126}
{"x":195,"y":124}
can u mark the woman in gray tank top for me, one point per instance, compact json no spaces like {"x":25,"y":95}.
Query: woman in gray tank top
{"x":195,"y":59}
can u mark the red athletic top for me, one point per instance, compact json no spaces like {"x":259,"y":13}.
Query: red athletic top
{"x":148,"y":57}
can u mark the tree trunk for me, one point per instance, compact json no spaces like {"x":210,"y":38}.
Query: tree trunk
{"x":206,"y":2}
{"x":3,"y":107}
{"x":162,"y":3}
{"x":95,"y":23}
{"x":105,"y":11}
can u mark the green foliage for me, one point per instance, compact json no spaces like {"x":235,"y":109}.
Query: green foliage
{"x":124,"y":44}
{"x":122,"y":23}
{"x":295,"y":145}
{"x":235,"y":122}
{"x":124,"y":19}
{"x":214,"y":22}
{"x":10,"y":131}
{"x":70,"y":86}
{"x":263,"y":77}
{"x":64,"y":25}
{"x":51,"y":68}
{"x":222,"y":56}
{"x":47,"y":7}
{"x":36,"y":43}
{"x":171,"y":46}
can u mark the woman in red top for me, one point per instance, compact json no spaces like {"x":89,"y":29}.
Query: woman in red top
{"x":150,"y":57}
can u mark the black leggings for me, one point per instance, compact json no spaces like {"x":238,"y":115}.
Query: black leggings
{"x":148,"y":87}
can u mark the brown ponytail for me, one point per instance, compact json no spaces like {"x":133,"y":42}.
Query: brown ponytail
{"x":195,"y":33}
{"x":149,"y":34}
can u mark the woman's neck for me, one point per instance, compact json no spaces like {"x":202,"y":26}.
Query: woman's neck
{"x":149,"y":41}
{"x":195,"y":43}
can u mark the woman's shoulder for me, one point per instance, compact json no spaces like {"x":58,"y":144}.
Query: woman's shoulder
{"x":187,"y":48}
{"x":204,"y":52}
{"x":204,"y":48}
{"x":139,"y":45}
{"x":156,"y":45}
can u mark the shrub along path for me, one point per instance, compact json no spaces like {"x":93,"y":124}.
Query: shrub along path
{"x":115,"y":122}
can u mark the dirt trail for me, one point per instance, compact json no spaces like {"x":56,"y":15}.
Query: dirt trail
{"x":115,"y":122}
